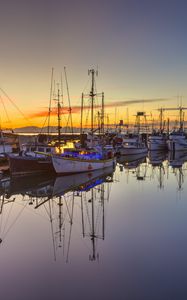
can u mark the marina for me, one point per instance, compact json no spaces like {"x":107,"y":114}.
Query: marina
{"x":93,"y":150}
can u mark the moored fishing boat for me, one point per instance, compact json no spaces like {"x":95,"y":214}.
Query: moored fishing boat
{"x":157,"y":141}
{"x":132,"y":144}
{"x":177,"y":141}
{"x":83,"y":162}
{"x":22,"y":165}
{"x":33,"y":158}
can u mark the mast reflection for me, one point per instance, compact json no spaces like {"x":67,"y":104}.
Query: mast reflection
{"x":57,"y":196}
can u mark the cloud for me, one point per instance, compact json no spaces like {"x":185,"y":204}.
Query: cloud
{"x":77,"y":109}
{"x":135,"y":101}
{"x":53,"y":112}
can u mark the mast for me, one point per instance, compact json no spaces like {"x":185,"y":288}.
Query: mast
{"x":103,"y":206}
{"x":49,"y":114}
{"x":92,"y":235}
{"x":82,"y":215}
{"x":69,"y":102}
{"x":161,"y":118}
{"x":60,"y":204}
{"x":180,"y":118}
{"x":70,"y":229}
{"x":92,"y":97}
{"x":82,"y":103}
{"x":52,"y":230}
{"x":59,"y":119}
{"x":102,"y":115}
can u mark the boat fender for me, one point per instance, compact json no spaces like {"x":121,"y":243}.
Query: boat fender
{"x":109,"y":155}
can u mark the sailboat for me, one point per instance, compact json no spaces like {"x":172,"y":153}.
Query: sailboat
{"x":133,"y":143}
{"x":84,"y":160}
{"x":158,"y":139}
{"x":34,"y":158}
{"x":177,"y":139}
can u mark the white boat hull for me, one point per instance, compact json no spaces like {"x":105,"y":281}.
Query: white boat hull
{"x":66,"y":165}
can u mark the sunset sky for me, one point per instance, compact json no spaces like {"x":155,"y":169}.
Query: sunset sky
{"x":139,"y":48}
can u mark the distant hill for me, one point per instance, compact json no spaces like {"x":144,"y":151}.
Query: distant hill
{"x":53,"y":129}
{"x":28,"y":129}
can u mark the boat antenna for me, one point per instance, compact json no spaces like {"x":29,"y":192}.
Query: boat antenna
{"x":92,"y":96}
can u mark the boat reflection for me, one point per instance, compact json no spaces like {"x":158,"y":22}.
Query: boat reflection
{"x":131,"y":161}
{"x":177,"y":162}
{"x":89,"y":191}
{"x":56,"y":196}
{"x":156,"y":158}
{"x":33,"y":186}
{"x":177,"y":159}
{"x":83,"y":182}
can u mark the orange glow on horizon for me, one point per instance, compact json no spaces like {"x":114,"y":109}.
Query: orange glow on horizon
{"x":113,"y":115}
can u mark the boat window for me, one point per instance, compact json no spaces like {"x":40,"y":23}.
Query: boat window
{"x":28,"y":149}
{"x":33,"y":148}
{"x":48,"y":150}
{"x":40,"y":149}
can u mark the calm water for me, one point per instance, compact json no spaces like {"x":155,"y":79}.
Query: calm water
{"x":97,"y":236}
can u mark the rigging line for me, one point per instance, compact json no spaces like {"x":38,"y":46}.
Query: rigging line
{"x":64,"y":238}
{"x":15,"y":105}
{"x":44,"y":125}
{"x":87,"y":210}
{"x":1,"y":213}
{"x":50,"y":99}
{"x":31,"y":211}
{"x":63,"y":116}
{"x":67,"y":208}
{"x":98,"y":218}
{"x":86,"y":85}
{"x":7,"y":218}
{"x":69,"y":101}
{"x":15,"y":220}
{"x":61,"y":86}
{"x":70,"y":232}
{"x":87,"y":117}
{"x":45,"y":208}
{"x":52,"y":230}
{"x":1,"y":99}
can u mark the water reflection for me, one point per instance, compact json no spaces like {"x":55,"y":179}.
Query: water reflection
{"x":158,"y":165}
{"x":156,"y":158}
{"x":130,"y":161}
{"x":57,"y":195}
{"x":123,"y":230}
